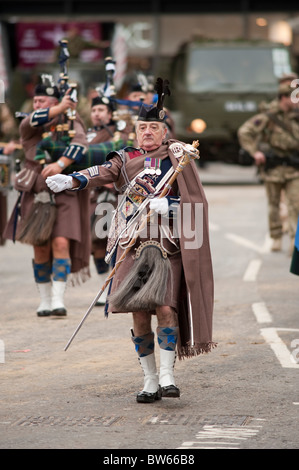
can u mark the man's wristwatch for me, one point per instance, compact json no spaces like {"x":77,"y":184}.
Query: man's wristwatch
{"x":61,"y":164}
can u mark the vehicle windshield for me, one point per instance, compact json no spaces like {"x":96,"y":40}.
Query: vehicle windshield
{"x":236,"y":67}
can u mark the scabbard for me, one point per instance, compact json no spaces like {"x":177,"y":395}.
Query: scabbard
{"x":16,"y":216}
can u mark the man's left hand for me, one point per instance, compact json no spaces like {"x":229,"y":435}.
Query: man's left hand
{"x":159,"y":205}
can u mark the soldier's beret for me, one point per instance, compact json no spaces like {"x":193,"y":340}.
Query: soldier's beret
{"x":47,"y":90}
{"x":103,"y":100}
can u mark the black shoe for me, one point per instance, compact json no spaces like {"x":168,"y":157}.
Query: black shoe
{"x":59,"y":312}
{"x":170,"y":391}
{"x":147,"y":397}
{"x":44,"y":313}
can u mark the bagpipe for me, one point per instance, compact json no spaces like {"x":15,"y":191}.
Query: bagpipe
{"x":50,"y":149}
{"x":36,"y":228}
{"x":64,"y":131}
{"x":65,"y":128}
{"x":125,"y":112}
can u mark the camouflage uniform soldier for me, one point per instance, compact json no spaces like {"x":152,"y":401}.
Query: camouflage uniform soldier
{"x":273,"y":106}
{"x":272,"y":139}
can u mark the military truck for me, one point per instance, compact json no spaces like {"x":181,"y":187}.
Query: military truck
{"x":217,"y":85}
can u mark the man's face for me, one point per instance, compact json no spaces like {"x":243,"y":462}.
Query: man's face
{"x":150,"y":134}
{"x":42,"y":102}
{"x":136,"y":96}
{"x":287,"y":104}
{"x":100,"y":114}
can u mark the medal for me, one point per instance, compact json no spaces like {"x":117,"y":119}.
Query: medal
{"x":147,"y":165}
{"x":152,"y":166}
{"x":158,"y":166}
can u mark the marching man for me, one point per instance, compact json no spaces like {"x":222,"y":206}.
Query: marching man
{"x":168,"y":272}
{"x":56,"y":227}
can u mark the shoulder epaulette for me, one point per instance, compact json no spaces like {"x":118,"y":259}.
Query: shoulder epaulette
{"x":74,"y":152}
{"x":39,"y":117}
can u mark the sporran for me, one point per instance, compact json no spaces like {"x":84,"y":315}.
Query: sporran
{"x":144,"y":288}
{"x":37,"y":228}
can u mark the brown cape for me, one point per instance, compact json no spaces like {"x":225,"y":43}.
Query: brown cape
{"x":195,"y":311}
{"x":195,"y":316}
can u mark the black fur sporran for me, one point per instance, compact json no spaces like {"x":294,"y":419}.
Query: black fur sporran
{"x":145,"y":286}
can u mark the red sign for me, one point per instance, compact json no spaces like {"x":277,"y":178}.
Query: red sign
{"x":37,"y":42}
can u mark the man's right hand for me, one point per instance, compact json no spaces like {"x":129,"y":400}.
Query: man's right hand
{"x":259,"y":158}
{"x":62,"y":106}
{"x":58,"y":183}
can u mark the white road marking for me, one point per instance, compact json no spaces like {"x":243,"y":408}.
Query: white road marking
{"x":261,"y":312}
{"x":252,"y":270}
{"x":265,"y":248}
{"x":220,"y":437}
{"x":285,"y":357}
{"x":243,"y":242}
{"x":282,"y":353}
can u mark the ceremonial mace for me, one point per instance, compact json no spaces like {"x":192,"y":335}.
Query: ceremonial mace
{"x":188,"y":155}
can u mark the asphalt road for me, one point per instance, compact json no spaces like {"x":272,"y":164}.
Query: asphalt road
{"x":243,"y":395}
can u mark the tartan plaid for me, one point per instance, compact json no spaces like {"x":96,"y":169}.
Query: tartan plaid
{"x":95,"y":154}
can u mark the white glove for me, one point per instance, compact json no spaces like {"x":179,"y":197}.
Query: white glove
{"x":58,"y":183}
{"x":159,"y":205}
